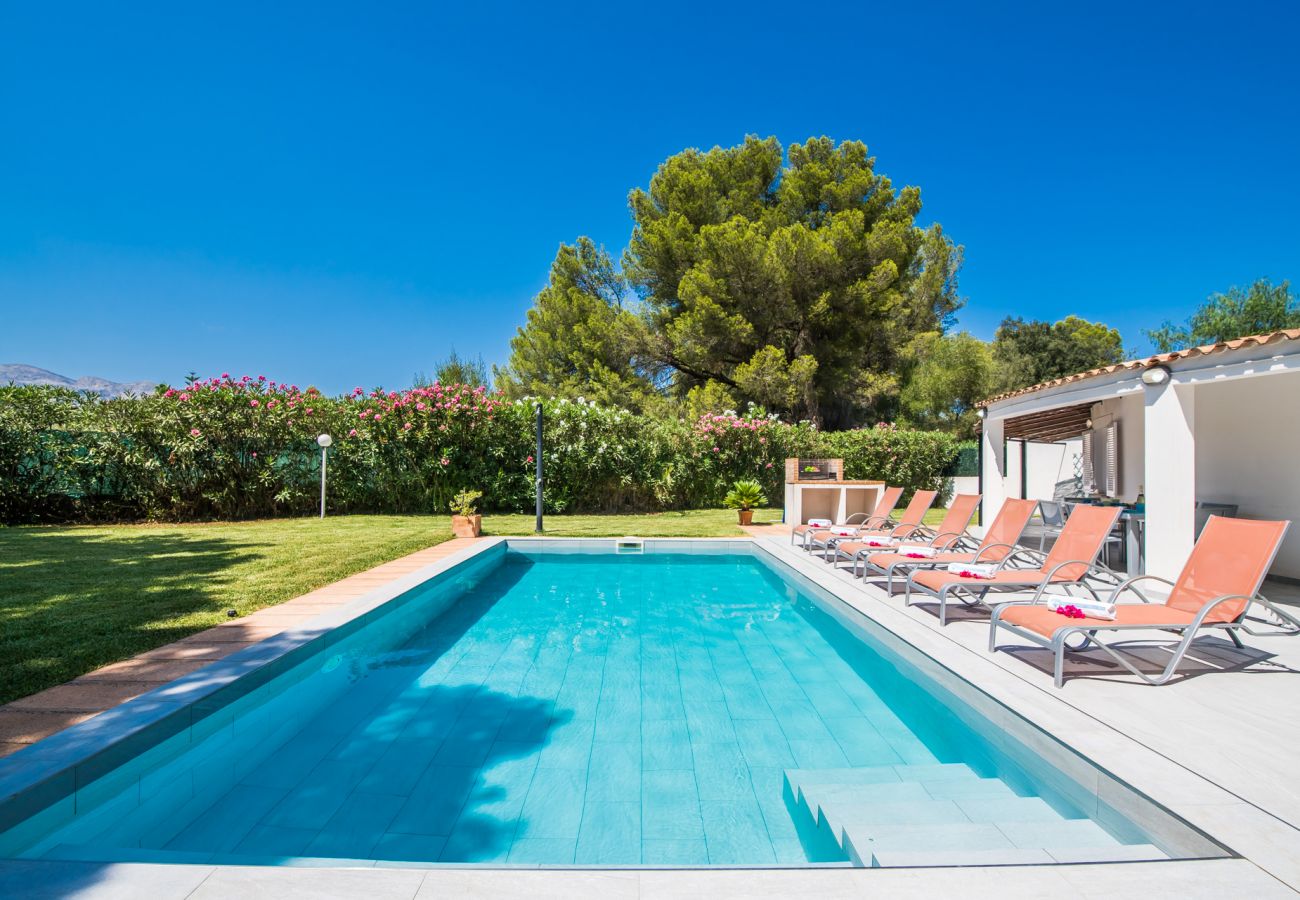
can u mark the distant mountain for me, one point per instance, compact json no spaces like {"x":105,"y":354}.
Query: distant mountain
{"x":17,"y":373}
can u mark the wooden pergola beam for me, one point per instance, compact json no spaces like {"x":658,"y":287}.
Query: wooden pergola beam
{"x":1050,"y":425}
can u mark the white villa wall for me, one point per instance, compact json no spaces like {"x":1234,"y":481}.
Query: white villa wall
{"x":962,"y":484}
{"x":1130,"y":412}
{"x":1048,"y":464}
{"x":1247,"y":443}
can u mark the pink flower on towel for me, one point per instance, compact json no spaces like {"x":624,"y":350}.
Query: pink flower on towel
{"x":1070,"y":612}
{"x":915,"y":555}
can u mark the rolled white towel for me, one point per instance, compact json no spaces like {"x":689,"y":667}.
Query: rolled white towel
{"x":972,"y":570}
{"x":926,"y":552}
{"x":820,"y":523}
{"x":882,"y":542}
{"x":843,"y":530}
{"x":1090,"y":608}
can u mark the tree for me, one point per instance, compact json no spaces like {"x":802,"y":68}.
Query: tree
{"x":1263,"y":308}
{"x":456,"y":369}
{"x":579,"y":339}
{"x":1033,"y":351}
{"x":945,"y":376}
{"x":792,"y":283}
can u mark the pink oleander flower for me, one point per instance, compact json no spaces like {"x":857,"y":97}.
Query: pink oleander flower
{"x":194,"y":432}
{"x":225,"y":375}
{"x":445,"y":461}
{"x":254,"y":403}
{"x":308,"y":410}
{"x":717,"y":450}
{"x":406,"y":427}
{"x":261,"y":378}
{"x":442,"y":427}
{"x":769,"y":465}
{"x":352,"y":433}
{"x":529,"y":459}
{"x":254,"y":454}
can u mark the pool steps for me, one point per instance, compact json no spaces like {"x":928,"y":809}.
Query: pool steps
{"x":942,"y":815}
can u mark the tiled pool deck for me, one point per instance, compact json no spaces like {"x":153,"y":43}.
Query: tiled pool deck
{"x":1237,"y":728}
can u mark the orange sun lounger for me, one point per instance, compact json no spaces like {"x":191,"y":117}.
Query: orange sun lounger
{"x":951,"y":531}
{"x":1215,"y":590}
{"x":878,"y":517}
{"x":998,"y":544}
{"x":908,"y":522}
{"x":1070,"y":561}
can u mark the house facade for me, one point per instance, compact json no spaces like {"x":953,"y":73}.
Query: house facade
{"x":1208,"y":429}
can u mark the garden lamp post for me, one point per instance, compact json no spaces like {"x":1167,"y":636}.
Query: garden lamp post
{"x":323,"y":441}
{"x":538,"y":458}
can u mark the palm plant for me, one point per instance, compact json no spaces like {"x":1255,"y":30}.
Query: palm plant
{"x":744,"y":495}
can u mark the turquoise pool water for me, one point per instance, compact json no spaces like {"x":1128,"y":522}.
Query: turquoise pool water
{"x":552,"y":709}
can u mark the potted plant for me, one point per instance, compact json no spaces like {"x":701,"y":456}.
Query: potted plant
{"x":743,"y":497}
{"x":465,"y":519}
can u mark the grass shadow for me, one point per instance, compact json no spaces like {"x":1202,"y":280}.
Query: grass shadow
{"x":75,"y":599}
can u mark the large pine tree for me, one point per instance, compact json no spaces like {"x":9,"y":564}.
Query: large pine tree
{"x":794,"y":283}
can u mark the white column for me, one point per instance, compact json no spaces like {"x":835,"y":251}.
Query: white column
{"x":994,"y":472}
{"x":1170,"y":477}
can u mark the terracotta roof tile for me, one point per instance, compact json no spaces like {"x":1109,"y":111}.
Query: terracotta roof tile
{"x":1254,"y":340}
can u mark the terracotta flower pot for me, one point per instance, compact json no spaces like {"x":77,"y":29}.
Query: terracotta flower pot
{"x":746,"y":516}
{"x":466,"y":526}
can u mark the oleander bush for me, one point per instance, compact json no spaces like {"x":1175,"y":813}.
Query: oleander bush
{"x":232,"y":448}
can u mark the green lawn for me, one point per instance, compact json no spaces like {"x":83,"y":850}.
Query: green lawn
{"x":73,"y":599}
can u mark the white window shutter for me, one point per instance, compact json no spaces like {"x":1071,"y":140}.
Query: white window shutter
{"x":1089,"y":473}
{"x":1112,"y":459}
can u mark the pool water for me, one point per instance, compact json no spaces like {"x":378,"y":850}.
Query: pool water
{"x":553,"y":709}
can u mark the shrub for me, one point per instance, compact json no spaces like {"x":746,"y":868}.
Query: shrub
{"x":465,"y":503}
{"x":230,"y":448}
{"x":914,"y":460}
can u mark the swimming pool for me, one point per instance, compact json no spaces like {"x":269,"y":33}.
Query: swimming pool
{"x":540,"y":707}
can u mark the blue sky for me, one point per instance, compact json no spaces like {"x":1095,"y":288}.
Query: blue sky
{"x":338,"y":194}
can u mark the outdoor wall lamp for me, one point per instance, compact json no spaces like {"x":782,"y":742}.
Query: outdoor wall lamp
{"x":1156,"y":375}
{"x":982,"y":413}
{"x":323,"y":441}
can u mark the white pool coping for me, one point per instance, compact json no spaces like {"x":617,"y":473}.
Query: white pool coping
{"x":1270,"y":865}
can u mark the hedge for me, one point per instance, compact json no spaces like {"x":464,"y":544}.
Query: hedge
{"x":226,"y":448}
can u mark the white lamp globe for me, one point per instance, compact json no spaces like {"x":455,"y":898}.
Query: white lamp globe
{"x":324,"y":441}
